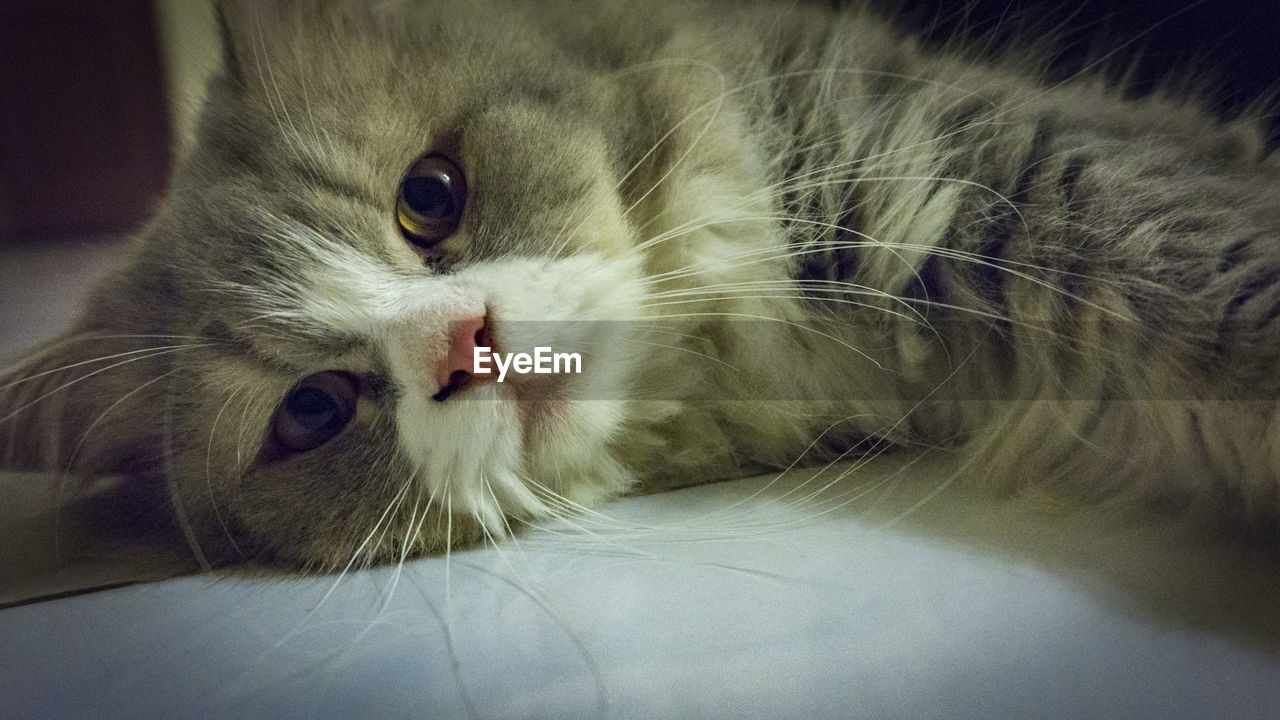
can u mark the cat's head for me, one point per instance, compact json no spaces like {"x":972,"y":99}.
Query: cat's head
{"x":374,"y":188}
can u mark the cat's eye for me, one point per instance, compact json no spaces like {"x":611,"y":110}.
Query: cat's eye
{"x":315,"y":411}
{"x":430,"y":201}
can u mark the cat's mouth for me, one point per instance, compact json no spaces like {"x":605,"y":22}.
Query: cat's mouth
{"x":458,"y":381}
{"x":540,"y":401}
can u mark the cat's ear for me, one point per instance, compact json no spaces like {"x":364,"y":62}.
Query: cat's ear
{"x":89,"y":402}
{"x":231,"y":62}
{"x":247,"y":28}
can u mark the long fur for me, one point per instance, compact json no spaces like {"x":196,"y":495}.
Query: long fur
{"x":778,"y":233}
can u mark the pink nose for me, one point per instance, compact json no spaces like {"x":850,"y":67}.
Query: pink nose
{"x":455,"y":369}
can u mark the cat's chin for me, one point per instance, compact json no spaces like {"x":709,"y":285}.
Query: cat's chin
{"x":542,"y":405}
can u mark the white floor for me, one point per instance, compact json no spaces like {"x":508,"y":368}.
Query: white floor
{"x":698,"y":603}
{"x":892,"y":594}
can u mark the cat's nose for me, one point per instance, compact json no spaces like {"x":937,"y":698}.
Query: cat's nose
{"x":455,"y":370}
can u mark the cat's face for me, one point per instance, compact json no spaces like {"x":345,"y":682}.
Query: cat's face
{"x":365,"y":183}
{"x":349,"y":211}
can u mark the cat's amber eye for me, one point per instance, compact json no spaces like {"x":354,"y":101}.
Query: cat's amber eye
{"x":316,"y":410}
{"x":430,"y":202}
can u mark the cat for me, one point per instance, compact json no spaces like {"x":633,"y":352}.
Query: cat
{"x":771,"y":233}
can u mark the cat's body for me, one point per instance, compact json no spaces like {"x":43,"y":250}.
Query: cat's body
{"x":772,"y":232}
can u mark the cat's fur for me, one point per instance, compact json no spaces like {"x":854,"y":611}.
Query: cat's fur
{"x":774,"y":231}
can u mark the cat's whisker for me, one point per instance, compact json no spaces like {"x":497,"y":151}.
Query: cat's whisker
{"x":666,"y":62}
{"x":689,"y":530}
{"x":66,"y":477}
{"x":770,"y":254}
{"x":586,"y":344}
{"x":800,"y":511}
{"x":416,"y":536}
{"x":448,"y":551}
{"x":762,"y":296}
{"x":824,"y":506}
{"x":276,"y":102}
{"x":504,"y":531}
{"x":242,"y":430}
{"x":317,"y":131}
{"x":406,"y":543}
{"x":910,"y":411}
{"x":90,"y":336}
{"x":64,"y":386}
{"x":392,"y":505}
{"x":813,"y":500}
{"x":306,"y":619}
{"x":375,"y":550}
{"x":189,"y":534}
{"x":582,"y":519}
{"x":812,"y":506}
{"x":688,"y":351}
{"x":791,"y":184}
{"x":1044,"y":327}
{"x":792,"y":466}
{"x":763,"y":255}
{"x":782,"y":321}
{"x":790,"y":285}
{"x":715,"y":105}
{"x":701,"y":223}
{"x":148,"y":352}
{"x":934,"y":494}
{"x":770,"y":292}
{"x":767,"y":190}
{"x":950,"y":253}
{"x":546,"y":605}
{"x":766,"y":80}
{"x":780,"y":284}
{"x":656,"y":326}
{"x":208,"y":472}
{"x":506,"y":536}
{"x":614,"y":541}
{"x":819,"y":291}
{"x":427,"y":596}
{"x":574,"y":509}
{"x":657,"y":144}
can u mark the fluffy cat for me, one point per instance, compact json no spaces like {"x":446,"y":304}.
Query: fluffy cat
{"x":773,"y":233}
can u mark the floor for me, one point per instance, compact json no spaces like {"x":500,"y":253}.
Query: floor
{"x":754,"y":598}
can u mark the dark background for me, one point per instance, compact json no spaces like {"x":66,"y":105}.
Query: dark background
{"x":1227,"y":50}
{"x":86,"y":141}
{"x":84,"y":130}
